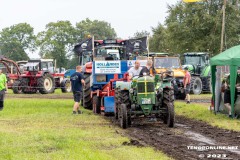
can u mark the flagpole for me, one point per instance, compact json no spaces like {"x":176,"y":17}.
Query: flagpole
{"x":148,"y":44}
{"x":93,"y":46}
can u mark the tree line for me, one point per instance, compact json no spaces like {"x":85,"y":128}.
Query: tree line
{"x":189,"y":27}
{"x":56,"y":41}
{"x":197,"y":27}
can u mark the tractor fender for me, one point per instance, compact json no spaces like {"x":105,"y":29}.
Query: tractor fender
{"x":40,"y":73}
{"x":123,"y":85}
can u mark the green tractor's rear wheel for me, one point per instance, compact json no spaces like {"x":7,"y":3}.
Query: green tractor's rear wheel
{"x":87,"y":101}
{"x":196,"y":85}
{"x":168,"y":104}
{"x":96,"y":103}
{"x":123,"y":116}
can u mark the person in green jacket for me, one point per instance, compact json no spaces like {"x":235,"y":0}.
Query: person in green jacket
{"x":3,"y":88}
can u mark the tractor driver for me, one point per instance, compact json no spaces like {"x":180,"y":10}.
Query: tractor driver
{"x":227,"y":94}
{"x":148,"y":70}
{"x":134,"y":71}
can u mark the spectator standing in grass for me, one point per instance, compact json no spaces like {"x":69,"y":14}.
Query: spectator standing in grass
{"x":3,"y":88}
{"x":77,"y":82}
{"x":187,"y":84}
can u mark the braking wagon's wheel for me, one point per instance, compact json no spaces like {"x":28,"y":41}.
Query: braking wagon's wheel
{"x":124,"y":116}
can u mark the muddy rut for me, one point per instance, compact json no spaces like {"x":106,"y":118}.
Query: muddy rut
{"x":178,"y":142}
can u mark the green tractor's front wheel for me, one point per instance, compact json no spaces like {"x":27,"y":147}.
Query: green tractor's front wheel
{"x":123,"y":116}
{"x":168,"y":104}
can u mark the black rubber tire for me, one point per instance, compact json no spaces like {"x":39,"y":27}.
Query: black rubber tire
{"x":25,"y":87}
{"x":66,"y":86}
{"x":196,"y":85}
{"x":182,"y":96}
{"x":96,"y":104}
{"x":210,"y":85}
{"x":17,"y":89}
{"x":41,"y":86}
{"x":124,"y":98}
{"x":116,"y":103}
{"x":168,"y":104}
{"x":124,"y":116}
{"x":87,"y":101}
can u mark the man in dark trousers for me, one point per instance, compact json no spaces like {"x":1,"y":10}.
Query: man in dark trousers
{"x":3,"y":89}
{"x":77,"y":82}
{"x":148,"y":70}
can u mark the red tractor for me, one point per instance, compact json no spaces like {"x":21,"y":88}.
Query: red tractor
{"x":39,"y":75}
{"x":11,"y":69}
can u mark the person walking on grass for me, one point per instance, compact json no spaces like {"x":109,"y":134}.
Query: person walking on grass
{"x":3,"y":89}
{"x":186,"y":84}
{"x":77,"y":82}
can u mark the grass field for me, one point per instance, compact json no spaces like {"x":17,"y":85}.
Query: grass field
{"x":202,"y":112}
{"x":45,"y":129}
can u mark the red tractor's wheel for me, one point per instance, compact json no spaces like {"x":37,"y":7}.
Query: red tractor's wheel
{"x":87,"y":100}
{"x":46,"y":84}
{"x":17,"y":88}
{"x":66,"y":86}
{"x":96,"y":104}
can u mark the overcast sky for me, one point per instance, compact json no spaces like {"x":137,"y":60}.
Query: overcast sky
{"x":125,"y":16}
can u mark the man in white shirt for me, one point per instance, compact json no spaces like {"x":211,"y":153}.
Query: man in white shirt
{"x":134,"y":71}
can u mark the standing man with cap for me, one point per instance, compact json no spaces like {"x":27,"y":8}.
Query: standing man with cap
{"x":187,"y":84}
{"x":77,"y":82}
{"x":3,"y":88}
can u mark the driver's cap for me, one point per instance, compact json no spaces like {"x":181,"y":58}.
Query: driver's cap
{"x":186,"y":68}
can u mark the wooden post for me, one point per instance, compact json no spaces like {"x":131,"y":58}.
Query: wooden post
{"x":223,"y":24}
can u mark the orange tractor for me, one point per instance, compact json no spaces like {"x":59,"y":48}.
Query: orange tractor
{"x":162,"y":63}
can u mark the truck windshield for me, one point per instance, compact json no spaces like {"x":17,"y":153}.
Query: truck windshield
{"x":31,"y":66}
{"x":166,"y":62}
{"x":114,"y":53}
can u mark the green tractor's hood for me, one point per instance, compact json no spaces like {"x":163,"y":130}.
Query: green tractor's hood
{"x":145,"y":78}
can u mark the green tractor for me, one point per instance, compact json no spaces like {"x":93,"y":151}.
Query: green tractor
{"x":199,"y":67}
{"x":145,"y":96}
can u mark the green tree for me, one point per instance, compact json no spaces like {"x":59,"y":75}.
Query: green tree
{"x":56,"y":41}
{"x":17,"y":40}
{"x":197,"y":27}
{"x":100,"y":29}
{"x":141,"y":34}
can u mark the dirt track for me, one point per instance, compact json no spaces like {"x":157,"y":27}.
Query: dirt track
{"x":174,"y":141}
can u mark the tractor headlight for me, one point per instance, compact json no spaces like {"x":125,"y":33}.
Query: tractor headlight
{"x":146,"y":101}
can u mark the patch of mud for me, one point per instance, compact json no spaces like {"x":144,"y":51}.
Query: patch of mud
{"x":133,"y":143}
{"x":176,"y":142}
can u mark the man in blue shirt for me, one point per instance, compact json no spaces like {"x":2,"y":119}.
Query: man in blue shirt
{"x":77,"y":82}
